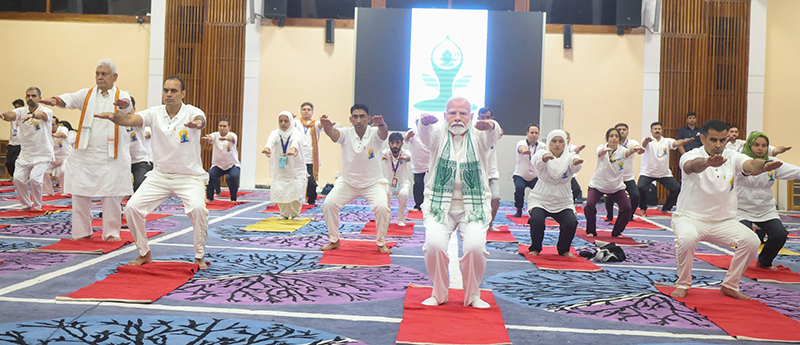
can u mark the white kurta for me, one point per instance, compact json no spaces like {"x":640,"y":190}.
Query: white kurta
{"x":553,"y":192}
{"x":756,"y":202}
{"x":90,"y":171}
{"x":289,"y":183}
{"x":420,"y":155}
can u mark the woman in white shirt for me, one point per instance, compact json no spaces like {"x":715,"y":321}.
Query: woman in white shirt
{"x":757,"y":204}
{"x":552,"y":195}
{"x":608,"y":180}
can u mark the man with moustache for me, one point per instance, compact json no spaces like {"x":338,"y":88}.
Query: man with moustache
{"x":524,"y":173}
{"x":655,"y":167}
{"x":396,"y":172}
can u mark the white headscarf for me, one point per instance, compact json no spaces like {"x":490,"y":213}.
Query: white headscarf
{"x":558,"y":166}
{"x":289,"y":131}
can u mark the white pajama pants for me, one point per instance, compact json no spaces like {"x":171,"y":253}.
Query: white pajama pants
{"x":402,"y":198}
{"x":729,"y":233}
{"x":82,"y":216}
{"x":33,"y":173}
{"x":343,"y":193}
{"x":290,"y":209}
{"x":56,"y":171}
{"x":152,"y":192}
{"x":473,"y":263}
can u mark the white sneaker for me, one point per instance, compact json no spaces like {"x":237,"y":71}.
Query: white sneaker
{"x":296,"y":218}
{"x":401,"y":223}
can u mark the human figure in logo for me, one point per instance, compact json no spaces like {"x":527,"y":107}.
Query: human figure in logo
{"x":396,"y":170}
{"x":61,"y":151}
{"x":457,"y":195}
{"x":34,"y":124}
{"x":224,"y":160}
{"x":177,"y":168}
{"x":362,"y":173}
{"x":707,"y":207}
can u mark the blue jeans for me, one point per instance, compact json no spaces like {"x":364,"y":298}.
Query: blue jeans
{"x":213,"y":181}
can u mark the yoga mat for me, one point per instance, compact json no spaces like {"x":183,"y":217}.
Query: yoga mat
{"x":6,"y":190}
{"x":415,"y":215}
{"x":275,"y":224}
{"x":227,"y":193}
{"x":222,"y":204}
{"x":452,"y":322}
{"x":639,"y":224}
{"x":58,"y":196}
{"x":55,"y":208}
{"x":95,"y":245}
{"x":604,"y":237}
{"x":6,"y":183}
{"x":275,"y":209}
{"x":742,"y":319}
{"x":782,"y":275}
{"x":136,"y":284}
{"x":22,"y":214}
{"x":370,"y":229}
{"x":549,"y":259}
{"x":793,"y":215}
{"x":654,"y":212}
{"x":357,"y":253}
{"x":98,"y":222}
{"x":504,"y":235}
{"x":524,"y":220}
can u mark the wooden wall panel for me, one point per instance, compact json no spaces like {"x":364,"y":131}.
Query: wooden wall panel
{"x":204,"y":45}
{"x":704,"y":65}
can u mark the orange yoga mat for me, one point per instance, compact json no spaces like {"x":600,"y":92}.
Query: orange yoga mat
{"x":415,"y":215}
{"x":549,"y":259}
{"x":58,"y":196}
{"x":370,"y":229}
{"x":742,"y":319}
{"x":217,"y":205}
{"x":95,"y":245}
{"x":22,"y":214}
{"x":452,"y":322}
{"x":150,"y":217}
{"x":136,"y":284}
{"x":357,"y":253}
{"x":227,"y":193}
{"x":604,"y":237}
{"x":782,"y":275}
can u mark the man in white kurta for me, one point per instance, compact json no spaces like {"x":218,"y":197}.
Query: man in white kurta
{"x":61,"y":151}
{"x":34,"y":124}
{"x":362,"y":173}
{"x":494,"y":173}
{"x":396,"y":161}
{"x":224,"y":160}
{"x":101,"y":162}
{"x":457,"y":195}
{"x":707,"y":208}
{"x":287,"y":167}
{"x":420,"y":159}
{"x":177,"y":168}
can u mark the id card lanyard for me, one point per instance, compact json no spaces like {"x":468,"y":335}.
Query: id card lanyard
{"x":394,"y":170}
{"x":284,"y":147}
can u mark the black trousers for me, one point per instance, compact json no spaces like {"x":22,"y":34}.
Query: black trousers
{"x":633,"y":195}
{"x":567,"y":223}
{"x":419,"y":190}
{"x":519,"y":190}
{"x":668,"y":182}
{"x":577,"y":193}
{"x":776,"y":237}
{"x":311,"y":190}
{"x":12,"y":152}
{"x":138,"y":170}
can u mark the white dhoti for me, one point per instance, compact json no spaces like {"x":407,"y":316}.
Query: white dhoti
{"x":402,"y":198}
{"x":473,"y":263}
{"x":82,"y":216}
{"x":729,"y":233}
{"x":287,"y":193}
{"x":343,"y":193}
{"x":154,"y":190}
{"x":30,"y":172}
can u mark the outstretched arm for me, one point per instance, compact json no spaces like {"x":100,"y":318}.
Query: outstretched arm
{"x":327,"y":125}
{"x":8,"y":115}
{"x":758,"y":166}
{"x":680,"y":143}
{"x":127,"y":120}
{"x":383,"y":130}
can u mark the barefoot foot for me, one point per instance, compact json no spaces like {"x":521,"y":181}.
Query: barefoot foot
{"x":113,"y":239}
{"x":201,"y":263}
{"x":433,"y":302}
{"x":680,"y":293}
{"x":84,"y":237}
{"x":331,"y":246}
{"x":771,"y":268}
{"x":142,"y":259}
{"x":726,"y":291}
{"x":534,"y":252}
{"x":568,"y":255}
{"x":384,"y":249}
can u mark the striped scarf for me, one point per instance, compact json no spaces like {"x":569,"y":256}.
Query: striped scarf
{"x":471,"y":182}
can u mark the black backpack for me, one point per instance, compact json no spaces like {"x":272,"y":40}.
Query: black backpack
{"x":610,"y":252}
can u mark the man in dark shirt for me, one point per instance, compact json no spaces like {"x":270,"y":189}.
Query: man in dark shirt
{"x":690,"y":131}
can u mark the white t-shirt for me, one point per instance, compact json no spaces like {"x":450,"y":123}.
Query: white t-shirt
{"x":607,"y":176}
{"x":627,"y":173}
{"x":308,"y":150}
{"x":553,"y":192}
{"x":492,"y":154}
{"x":225,"y":154}
{"x":361,"y":158}
{"x":394,"y":168}
{"x":35,"y":136}
{"x":140,"y":145}
{"x":524,"y":168}
{"x":420,"y":155}
{"x":756,"y":202}
{"x":61,"y":146}
{"x":176,"y":148}
{"x":710,"y":195}
{"x":14,"y":138}
{"x":655,"y":160}
{"x":735,"y":146}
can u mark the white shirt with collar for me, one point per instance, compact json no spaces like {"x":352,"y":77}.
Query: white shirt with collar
{"x":710,"y":195}
{"x":524,"y":168}
{"x":225,"y":154}
{"x":655,"y":160}
{"x":140,"y":145}
{"x":395,"y":168}
{"x":176,"y":148}
{"x":14,"y":138}
{"x":608,"y":176}
{"x":61,"y":146}
{"x":35,"y":135}
{"x":492,"y":154}
{"x":420,"y":155}
{"x":627,"y":173}
{"x":361,"y":158}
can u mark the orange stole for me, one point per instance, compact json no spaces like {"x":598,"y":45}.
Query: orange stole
{"x":314,"y":145}
{"x":83,"y":114}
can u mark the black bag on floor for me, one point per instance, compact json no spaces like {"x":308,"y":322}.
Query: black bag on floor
{"x":610,"y":252}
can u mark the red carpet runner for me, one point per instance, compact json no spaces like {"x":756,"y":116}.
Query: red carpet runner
{"x":357,"y":253}
{"x":96,"y":245}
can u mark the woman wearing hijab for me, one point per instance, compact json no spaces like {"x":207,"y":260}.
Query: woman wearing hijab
{"x":756,"y":202}
{"x":287,"y":167}
{"x":552,"y":195}
{"x":608,"y":179}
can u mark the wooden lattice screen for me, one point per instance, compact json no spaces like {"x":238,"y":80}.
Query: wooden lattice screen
{"x":704,"y":61}
{"x":204,"y":45}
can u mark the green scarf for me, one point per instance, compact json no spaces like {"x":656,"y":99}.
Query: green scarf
{"x":471,"y":183}
{"x":748,"y":146}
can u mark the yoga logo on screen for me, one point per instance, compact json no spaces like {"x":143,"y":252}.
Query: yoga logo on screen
{"x":446,"y":61}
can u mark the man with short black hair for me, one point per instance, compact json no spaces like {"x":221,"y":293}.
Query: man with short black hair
{"x":486,"y":114}
{"x":524,"y":173}
{"x":689,"y":131}
{"x":655,"y":167}
{"x":12,"y":150}
{"x":310,"y":147}
{"x":707,"y":208}
{"x":224,"y":160}
{"x":396,"y":172}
